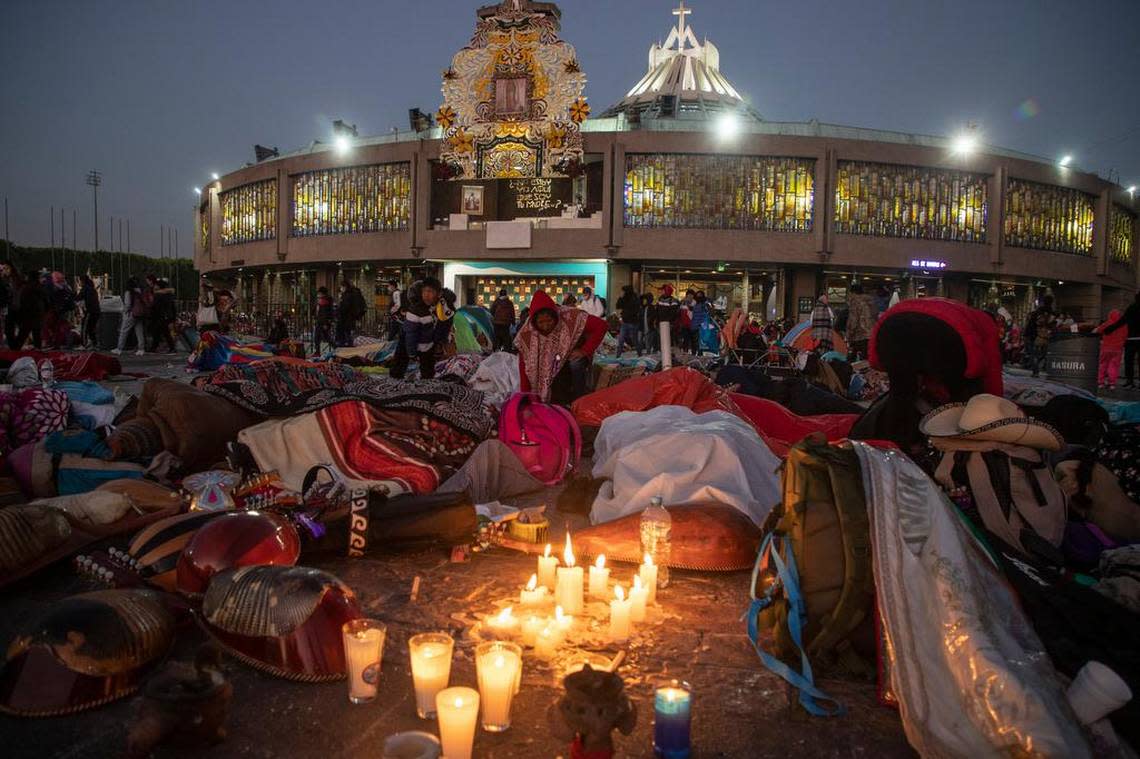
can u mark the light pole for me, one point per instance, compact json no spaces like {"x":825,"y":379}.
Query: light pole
{"x":95,"y":178}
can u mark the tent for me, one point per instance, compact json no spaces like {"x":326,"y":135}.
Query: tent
{"x":799,"y":337}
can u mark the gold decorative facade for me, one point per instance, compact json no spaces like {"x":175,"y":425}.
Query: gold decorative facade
{"x":891,"y":200}
{"x":1048,"y":217}
{"x":249,"y":212}
{"x":372,"y":198}
{"x":719,"y":192}
{"x":1121,"y":243}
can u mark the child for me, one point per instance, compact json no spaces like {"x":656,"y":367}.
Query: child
{"x":1111,"y":349}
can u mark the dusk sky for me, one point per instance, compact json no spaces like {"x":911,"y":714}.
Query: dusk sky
{"x":157,"y":94}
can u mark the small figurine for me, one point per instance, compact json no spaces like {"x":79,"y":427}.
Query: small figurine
{"x":184,"y":702}
{"x":594,"y":705}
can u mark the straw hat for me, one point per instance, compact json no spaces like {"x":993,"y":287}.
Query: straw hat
{"x":990,"y":418}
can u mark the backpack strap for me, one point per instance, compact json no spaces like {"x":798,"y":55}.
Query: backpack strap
{"x":787,"y":579}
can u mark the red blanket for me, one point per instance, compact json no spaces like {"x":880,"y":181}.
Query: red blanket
{"x":71,"y":366}
{"x":782,"y":429}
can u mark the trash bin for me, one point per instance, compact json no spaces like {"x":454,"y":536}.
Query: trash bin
{"x":110,"y":317}
{"x":1073,"y":359}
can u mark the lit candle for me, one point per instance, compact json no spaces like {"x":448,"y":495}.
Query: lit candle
{"x":562,"y":620}
{"x":431,"y":668}
{"x":600,"y":579}
{"x":619,"y":616}
{"x":649,"y":578}
{"x":533,"y":594}
{"x":546,"y":644}
{"x":363,"y":648}
{"x":547,"y":565}
{"x":497,"y":668}
{"x":457,"y":710}
{"x":672,"y":716}
{"x":570,"y":592}
{"x":638,"y":596}
{"x":504,"y":623}
{"x":532,"y":626}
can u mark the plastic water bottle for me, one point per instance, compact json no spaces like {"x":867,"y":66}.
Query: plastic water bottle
{"x":656,"y":536}
{"x":47,"y":374}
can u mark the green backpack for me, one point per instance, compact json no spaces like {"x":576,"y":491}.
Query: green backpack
{"x":813,"y":586}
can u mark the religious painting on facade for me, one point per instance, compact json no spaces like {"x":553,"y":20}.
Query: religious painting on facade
{"x":511,"y":99}
{"x":472,"y":200}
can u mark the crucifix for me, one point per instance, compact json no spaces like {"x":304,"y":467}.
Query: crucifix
{"x":680,"y":13}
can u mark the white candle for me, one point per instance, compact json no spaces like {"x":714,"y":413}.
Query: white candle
{"x":619,"y":616}
{"x":562,"y":620}
{"x":533,"y":594}
{"x":431,"y":668}
{"x":638,"y":596}
{"x":547,"y":565}
{"x":363,"y":648}
{"x":649,"y":578}
{"x":457,"y":710}
{"x":531,"y":627}
{"x":600,"y":579}
{"x":570,"y":591}
{"x":546,"y":644}
{"x":497,"y":667}
{"x":504,"y":623}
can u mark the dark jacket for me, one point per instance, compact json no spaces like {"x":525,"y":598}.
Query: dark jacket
{"x":419,"y":327}
{"x":33,"y":302}
{"x":90,"y":299}
{"x":630,"y":307}
{"x":1131,"y":319}
{"x":503,"y":311}
{"x":352,"y":306}
{"x":162,"y":308}
{"x":324,"y":313}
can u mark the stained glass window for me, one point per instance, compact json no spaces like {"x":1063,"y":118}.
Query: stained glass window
{"x":249,"y":212}
{"x":356,"y":199}
{"x":204,"y":228}
{"x":891,"y":200}
{"x":1048,"y":217}
{"x":1121,"y":245}
{"x":719,"y":191}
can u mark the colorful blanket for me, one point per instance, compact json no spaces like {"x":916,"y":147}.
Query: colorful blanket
{"x":215,"y":350}
{"x":276,"y":382}
{"x":70,"y":366}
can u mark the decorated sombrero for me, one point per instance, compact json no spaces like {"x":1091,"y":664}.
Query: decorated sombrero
{"x":990,"y":418}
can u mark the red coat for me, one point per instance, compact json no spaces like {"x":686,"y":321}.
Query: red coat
{"x":588,"y":343}
{"x":1112,"y":341}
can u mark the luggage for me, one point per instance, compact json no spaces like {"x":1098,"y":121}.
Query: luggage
{"x":546,"y":438}
{"x":813,"y":586}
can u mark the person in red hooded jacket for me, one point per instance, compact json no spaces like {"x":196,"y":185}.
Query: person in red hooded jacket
{"x":556,"y":348}
{"x":1111,"y":351}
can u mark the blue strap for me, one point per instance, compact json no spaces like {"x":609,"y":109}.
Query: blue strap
{"x":809,"y":694}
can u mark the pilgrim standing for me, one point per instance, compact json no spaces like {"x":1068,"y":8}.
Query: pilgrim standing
{"x":556,"y":347}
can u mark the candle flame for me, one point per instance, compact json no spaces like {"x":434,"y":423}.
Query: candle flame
{"x":648,"y":560}
{"x":568,"y":554}
{"x":637,"y":582}
{"x":601,"y":562}
{"x":500,"y":662}
{"x":619,"y":591}
{"x":669,"y":695}
{"x":547,"y":631}
{"x":558,"y":613}
{"x":505,"y":614}
{"x":458,"y":702}
{"x":546,"y":553}
{"x":532,"y":583}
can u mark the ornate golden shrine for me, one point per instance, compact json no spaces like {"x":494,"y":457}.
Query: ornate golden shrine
{"x":512,"y":99}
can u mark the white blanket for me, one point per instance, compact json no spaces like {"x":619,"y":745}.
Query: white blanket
{"x":684,"y":458}
{"x":497,"y":377}
{"x":971,"y":676}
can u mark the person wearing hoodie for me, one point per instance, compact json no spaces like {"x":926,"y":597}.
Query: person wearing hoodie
{"x":556,"y":347}
{"x":629,"y":305}
{"x":1131,"y":320}
{"x":162,"y":313}
{"x":1111,"y":351}
{"x":418,"y":330}
{"x":592,"y":304}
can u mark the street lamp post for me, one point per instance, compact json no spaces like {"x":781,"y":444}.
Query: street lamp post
{"x":95,"y":178}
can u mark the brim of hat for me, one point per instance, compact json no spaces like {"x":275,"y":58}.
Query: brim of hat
{"x":943,"y":421}
{"x":1031,"y":433}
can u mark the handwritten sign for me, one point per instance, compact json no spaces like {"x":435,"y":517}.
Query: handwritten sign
{"x":533,"y":194}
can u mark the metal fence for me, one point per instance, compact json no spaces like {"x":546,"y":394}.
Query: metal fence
{"x":259,"y":320}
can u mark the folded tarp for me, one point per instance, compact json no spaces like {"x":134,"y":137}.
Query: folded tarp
{"x":685,"y":458}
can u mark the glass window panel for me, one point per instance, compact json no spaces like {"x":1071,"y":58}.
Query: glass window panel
{"x":372,"y":198}
{"x":249,"y":213}
{"x":1048,"y":217}
{"x":1121,"y":246}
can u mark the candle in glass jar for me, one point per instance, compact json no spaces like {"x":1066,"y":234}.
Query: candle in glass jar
{"x":547,"y":566}
{"x":546,"y":644}
{"x":600,"y":579}
{"x":570,"y":591}
{"x":562,"y":620}
{"x":619,"y":616}
{"x":648,"y":573}
{"x":431,"y":667}
{"x":497,"y":668}
{"x":363,"y":648}
{"x":457,"y":710}
{"x":504,"y":623}
{"x":531,"y":627}
{"x":672,"y":719}
{"x":533,"y":594}
{"x":638,"y":597}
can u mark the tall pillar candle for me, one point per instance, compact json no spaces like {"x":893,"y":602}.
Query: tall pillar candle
{"x":600,"y":579}
{"x":638,"y":597}
{"x":619,"y":616}
{"x":547,"y":565}
{"x":457,"y":710}
{"x":570,"y":591}
{"x":431,"y":668}
{"x":648,"y":574}
{"x":497,"y":668}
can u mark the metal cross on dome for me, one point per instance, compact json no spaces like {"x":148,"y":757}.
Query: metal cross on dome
{"x":680,"y":12}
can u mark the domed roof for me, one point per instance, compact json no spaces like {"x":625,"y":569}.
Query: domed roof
{"x":683,"y":81}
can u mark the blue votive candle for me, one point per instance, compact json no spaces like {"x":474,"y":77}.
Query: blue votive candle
{"x":672,"y":714}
